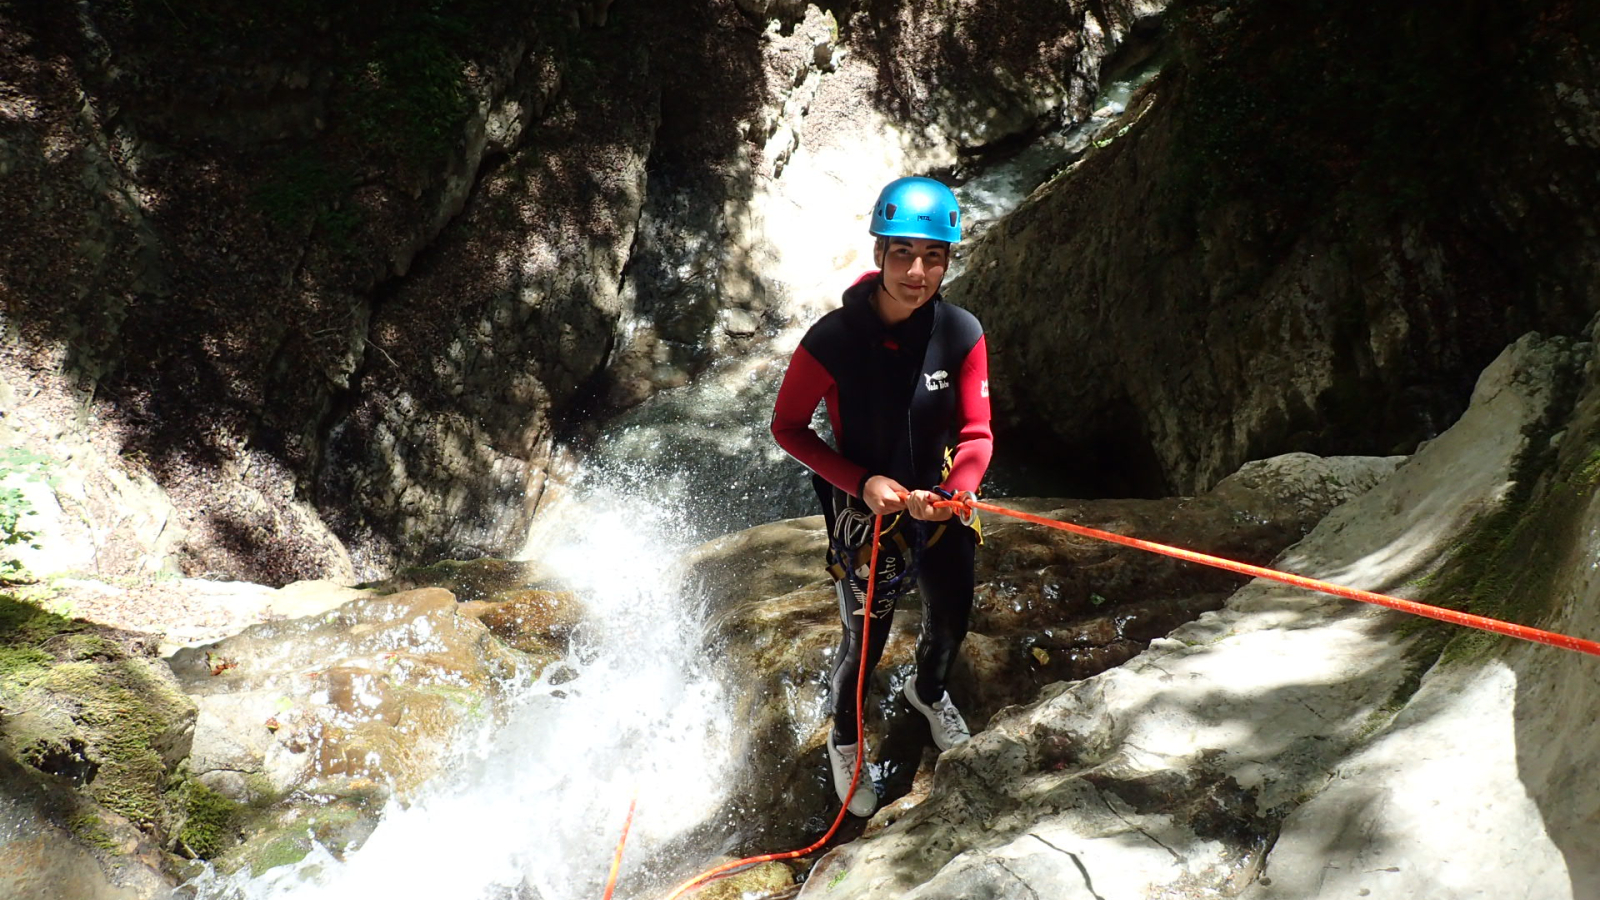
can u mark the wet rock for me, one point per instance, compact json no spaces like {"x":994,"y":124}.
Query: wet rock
{"x":56,"y":843}
{"x":764,"y":880}
{"x":531,"y":621}
{"x":468,"y":580}
{"x":357,"y":703}
{"x":1049,"y":606}
{"x":1290,"y":741}
{"x":94,"y":708}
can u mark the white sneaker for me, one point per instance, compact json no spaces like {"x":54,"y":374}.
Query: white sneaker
{"x":944,"y":720}
{"x":843,"y":762}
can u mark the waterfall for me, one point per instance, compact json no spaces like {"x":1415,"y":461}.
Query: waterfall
{"x":532,"y":810}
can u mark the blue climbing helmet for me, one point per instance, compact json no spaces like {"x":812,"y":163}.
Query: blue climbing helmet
{"x":917,"y":207}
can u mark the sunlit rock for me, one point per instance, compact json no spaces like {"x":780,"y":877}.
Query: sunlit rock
{"x":1049,"y":606}
{"x":1294,"y":743}
{"x":532,"y":621}
{"x":353,"y":705}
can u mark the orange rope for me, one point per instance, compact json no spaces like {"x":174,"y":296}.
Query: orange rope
{"x":861,"y":745}
{"x":616,"y":861}
{"x":1455,"y":617}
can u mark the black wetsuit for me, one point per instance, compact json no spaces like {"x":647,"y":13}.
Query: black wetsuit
{"x":898,"y":397}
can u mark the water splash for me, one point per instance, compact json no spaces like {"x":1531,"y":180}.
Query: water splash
{"x":532,"y":810}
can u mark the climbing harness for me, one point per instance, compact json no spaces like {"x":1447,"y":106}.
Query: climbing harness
{"x":895,"y":570}
{"x":850,"y":527}
{"x":966,"y":505}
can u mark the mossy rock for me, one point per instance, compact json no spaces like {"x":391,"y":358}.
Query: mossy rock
{"x":469,"y":580}
{"x":339,"y":814}
{"x":757,"y":881}
{"x":61,"y":843}
{"x":210,"y":821}
{"x":130,"y":727}
{"x":24,"y":629}
{"x":82,"y":707}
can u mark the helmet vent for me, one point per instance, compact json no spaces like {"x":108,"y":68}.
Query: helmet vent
{"x":952,"y":218}
{"x":888,"y":211}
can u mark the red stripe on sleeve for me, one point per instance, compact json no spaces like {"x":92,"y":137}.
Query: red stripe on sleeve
{"x":975,"y":440}
{"x":805,"y":383}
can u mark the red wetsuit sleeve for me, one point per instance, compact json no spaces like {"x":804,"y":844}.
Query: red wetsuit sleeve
{"x":805,"y":383}
{"x":975,"y":440}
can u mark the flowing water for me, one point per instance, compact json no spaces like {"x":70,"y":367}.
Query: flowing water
{"x":532,"y":810}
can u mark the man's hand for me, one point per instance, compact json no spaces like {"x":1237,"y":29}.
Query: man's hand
{"x":920,"y":503}
{"x":883,"y":495}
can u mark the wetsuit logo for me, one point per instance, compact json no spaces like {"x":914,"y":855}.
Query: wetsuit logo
{"x":937,"y":381}
{"x":983,"y":389}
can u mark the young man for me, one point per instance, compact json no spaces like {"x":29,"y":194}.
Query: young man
{"x":906,"y":380}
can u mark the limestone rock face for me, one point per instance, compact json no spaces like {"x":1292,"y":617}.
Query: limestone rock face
{"x":1049,"y":606}
{"x":1276,"y":254}
{"x":326,"y":287}
{"x":1291,"y":743}
{"x":357,"y":703}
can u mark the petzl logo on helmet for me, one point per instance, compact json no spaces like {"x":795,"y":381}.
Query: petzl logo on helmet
{"x":917,"y":207}
{"x":936,"y":381}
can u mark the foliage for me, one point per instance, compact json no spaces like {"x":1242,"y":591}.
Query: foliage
{"x":14,"y":506}
{"x":209,"y":821}
{"x":411,"y":91}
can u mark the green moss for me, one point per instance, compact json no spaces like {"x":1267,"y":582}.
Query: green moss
{"x":91,"y":830}
{"x":284,"y":850}
{"x":209,"y":821}
{"x":125,"y":711}
{"x":20,"y":666}
{"x":24,"y":628}
{"x":23,"y":623}
{"x":1508,"y":565}
{"x":336,"y":824}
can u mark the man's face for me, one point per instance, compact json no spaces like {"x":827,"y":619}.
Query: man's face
{"x":912,"y":271}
